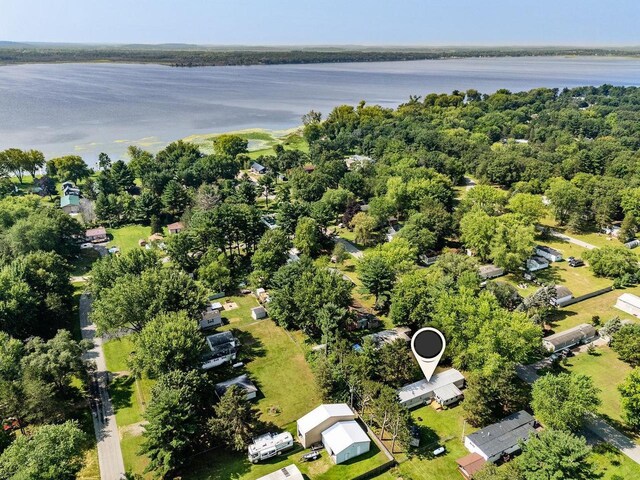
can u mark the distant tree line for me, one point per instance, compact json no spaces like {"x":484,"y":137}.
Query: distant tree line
{"x":199,"y":56}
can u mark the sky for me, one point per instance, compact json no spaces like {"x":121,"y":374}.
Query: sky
{"x":324,"y":22}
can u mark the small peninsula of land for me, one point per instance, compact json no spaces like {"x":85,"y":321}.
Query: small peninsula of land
{"x":184,"y":55}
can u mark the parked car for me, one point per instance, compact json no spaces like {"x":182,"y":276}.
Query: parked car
{"x":575,"y":262}
{"x":439,"y":451}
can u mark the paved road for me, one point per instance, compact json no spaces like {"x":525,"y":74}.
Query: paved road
{"x":569,"y":239}
{"x":619,"y":440}
{"x":104,"y":419}
{"x":349,"y":247}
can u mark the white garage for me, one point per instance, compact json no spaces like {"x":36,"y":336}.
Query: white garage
{"x":345,"y":440}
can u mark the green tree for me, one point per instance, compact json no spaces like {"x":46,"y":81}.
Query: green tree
{"x":477,"y":230}
{"x":629,"y":228}
{"x":626,"y":343}
{"x":630,"y":393}
{"x":216,"y":274}
{"x":104,"y":162}
{"x":53,"y":452}
{"x":234,"y":423}
{"x":364,"y":227}
{"x":417,"y":232}
{"x":512,"y":243}
{"x":70,"y":167}
{"x":612,"y":262}
{"x":307,"y":237}
{"x":378,"y":277}
{"x":135,"y":300}
{"x":300,"y":289}
{"x":527,"y":207}
{"x":339,"y":253}
{"x":567,"y":200}
{"x":168,"y":342}
{"x":267,"y":183}
{"x":231,"y":145}
{"x":176,"y":417}
{"x":110,"y":268}
{"x":555,"y":454}
{"x":175,"y":199}
{"x":122,"y":175}
{"x":270,"y":255}
{"x":55,"y":361}
{"x":562,"y":401}
{"x":490,"y":397}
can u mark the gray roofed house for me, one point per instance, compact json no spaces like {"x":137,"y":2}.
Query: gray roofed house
{"x":223,"y":347}
{"x":444,"y":387}
{"x":490,"y":271}
{"x":577,"y":335}
{"x":257,"y":168}
{"x":242,"y":381}
{"x":549,"y":253}
{"x":563,"y":296}
{"x":390,"y":336}
{"x":504,"y":437}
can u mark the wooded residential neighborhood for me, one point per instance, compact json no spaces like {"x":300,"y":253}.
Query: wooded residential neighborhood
{"x":254,"y":308}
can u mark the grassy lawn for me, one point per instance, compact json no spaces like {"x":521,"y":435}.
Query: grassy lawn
{"x":82,"y":265}
{"x":612,"y":464}
{"x":602,"y":306}
{"x":261,"y":141}
{"x":438,"y":428}
{"x":129,"y":395}
{"x":607,"y":372}
{"x":91,"y":468}
{"x":126,"y":238}
{"x":220,"y":464}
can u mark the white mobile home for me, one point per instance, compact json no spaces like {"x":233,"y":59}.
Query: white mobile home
{"x":577,"y":335}
{"x":501,"y":438}
{"x":549,"y":253}
{"x":444,"y":387}
{"x":536,"y":263}
{"x":629,"y":303}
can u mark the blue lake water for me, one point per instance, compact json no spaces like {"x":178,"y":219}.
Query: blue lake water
{"x":89,"y":108}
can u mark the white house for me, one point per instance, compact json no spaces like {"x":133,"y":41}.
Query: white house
{"x":490,"y":271}
{"x":536,"y":263}
{"x":390,"y":336}
{"x":563,"y":296}
{"x":223,"y":348}
{"x":504,"y":437}
{"x":549,"y":253}
{"x":311,"y":426}
{"x":577,"y":335}
{"x":357,"y":161}
{"x":629,"y":303}
{"x":242,"y":381}
{"x":290,"y":472}
{"x":210,"y":318}
{"x":444,"y":387}
{"x":258,"y":313}
{"x":345,"y":440}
